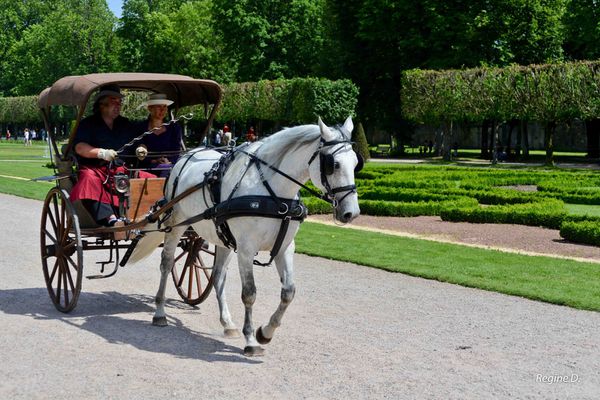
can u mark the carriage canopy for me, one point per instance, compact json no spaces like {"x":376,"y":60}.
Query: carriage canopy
{"x":183,"y":90}
{"x":76,"y":91}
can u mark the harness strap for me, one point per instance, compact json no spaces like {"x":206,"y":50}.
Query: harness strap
{"x":312,"y":191}
{"x":251,"y":206}
{"x":283,"y":228}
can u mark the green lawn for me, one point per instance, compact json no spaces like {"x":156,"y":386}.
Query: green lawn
{"x":583,"y":209}
{"x":25,"y":162}
{"x":558,"y":281}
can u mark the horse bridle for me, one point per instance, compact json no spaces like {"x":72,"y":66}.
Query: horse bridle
{"x":327,"y":161}
{"x":328,"y":166}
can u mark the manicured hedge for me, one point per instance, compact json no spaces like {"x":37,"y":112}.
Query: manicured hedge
{"x":549,"y":214}
{"x":294,"y":101}
{"x":544,"y":93}
{"x":587,"y":232}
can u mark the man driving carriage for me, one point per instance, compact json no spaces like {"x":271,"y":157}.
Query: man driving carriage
{"x":95,"y":142}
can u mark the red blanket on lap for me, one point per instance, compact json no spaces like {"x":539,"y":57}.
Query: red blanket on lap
{"x":95,"y":183}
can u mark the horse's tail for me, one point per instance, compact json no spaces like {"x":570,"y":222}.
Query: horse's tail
{"x":147,"y":244}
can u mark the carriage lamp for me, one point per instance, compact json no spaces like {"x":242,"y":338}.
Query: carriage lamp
{"x":141,"y":152}
{"x":122,"y":183}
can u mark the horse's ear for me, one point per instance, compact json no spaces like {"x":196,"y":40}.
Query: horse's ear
{"x":326,"y":133}
{"x":349,"y":126}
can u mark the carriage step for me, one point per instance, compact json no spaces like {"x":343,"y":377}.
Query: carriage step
{"x":130,"y":249}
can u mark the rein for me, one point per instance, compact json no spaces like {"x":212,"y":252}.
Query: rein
{"x":151,"y":131}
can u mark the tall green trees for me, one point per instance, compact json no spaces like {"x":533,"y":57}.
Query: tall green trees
{"x":172,"y":37}
{"x":380,"y":38}
{"x":368,"y":41}
{"x":76,"y":37}
{"x":269,"y":39}
{"x":582,"y":25}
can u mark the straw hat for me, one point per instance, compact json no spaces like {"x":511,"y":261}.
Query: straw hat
{"x":156,"y":99}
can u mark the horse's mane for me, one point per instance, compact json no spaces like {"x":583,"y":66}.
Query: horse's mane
{"x":274,"y":148}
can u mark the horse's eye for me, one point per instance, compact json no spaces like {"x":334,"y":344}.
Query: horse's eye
{"x":336,"y":165}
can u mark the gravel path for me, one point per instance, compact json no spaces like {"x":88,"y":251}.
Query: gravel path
{"x":352,"y":332}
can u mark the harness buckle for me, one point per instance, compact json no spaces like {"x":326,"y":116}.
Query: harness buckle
{"x":287,"y":208}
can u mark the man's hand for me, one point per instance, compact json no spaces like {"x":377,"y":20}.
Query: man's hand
{"x":107,"y":154}
{"x":141,"y":152}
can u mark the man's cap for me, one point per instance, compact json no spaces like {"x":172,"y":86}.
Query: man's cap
{"x":109,"y":90}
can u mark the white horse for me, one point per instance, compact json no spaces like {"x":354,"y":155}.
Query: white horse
{"x":317,"y":152}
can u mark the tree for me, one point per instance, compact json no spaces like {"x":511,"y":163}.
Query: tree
{"x":582,"y":25}
{"x":380,"y":38}
{"x":15,"y":18}
{"x":270,"y":39}
{"x":170,"y":38}
{"x":76,"y":38}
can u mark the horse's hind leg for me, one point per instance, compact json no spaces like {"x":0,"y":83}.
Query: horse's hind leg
{"x":285,"y":266}
{"x":222,"y":257}
{"x":166,"y":264}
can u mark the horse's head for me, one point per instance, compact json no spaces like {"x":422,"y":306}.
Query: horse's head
{"x":332,"y":170}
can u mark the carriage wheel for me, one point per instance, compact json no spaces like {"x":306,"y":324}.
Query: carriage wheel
{"x":62,"y":254}
{"x":195,"y":281}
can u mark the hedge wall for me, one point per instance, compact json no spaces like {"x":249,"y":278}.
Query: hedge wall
{"x":293,"y":101}
{"x":552,"y":92}
{"x":548,"y":94}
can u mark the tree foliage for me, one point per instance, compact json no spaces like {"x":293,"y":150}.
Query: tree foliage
{"x":270,"y":39}
{"x":296,"y":101}
{"x":369,"y":42}
{"x":548,"y":93}
{"x":172,"y":37}
{"x":582,"y":25}
{"x":74,"y":38}
{"x":299,"y":100}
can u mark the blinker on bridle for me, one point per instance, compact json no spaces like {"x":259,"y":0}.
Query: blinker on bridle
{"x":328,"y":165}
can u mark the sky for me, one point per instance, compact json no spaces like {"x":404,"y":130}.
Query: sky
{"x":115,"y":6}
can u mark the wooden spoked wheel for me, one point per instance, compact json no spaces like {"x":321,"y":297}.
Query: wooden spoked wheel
{"x":192,"y":272}
{"x":62,"y":254}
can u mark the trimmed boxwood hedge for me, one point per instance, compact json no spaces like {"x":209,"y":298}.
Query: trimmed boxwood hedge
{"x":296,"y":101}
{"x":549,"y":214}
{"x":587,"y":232}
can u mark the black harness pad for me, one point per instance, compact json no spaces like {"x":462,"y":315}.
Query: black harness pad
{"x":258,"y":206}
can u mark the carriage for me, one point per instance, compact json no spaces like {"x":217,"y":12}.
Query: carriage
{"x":242,"y":199}
{"x":68,"y":231}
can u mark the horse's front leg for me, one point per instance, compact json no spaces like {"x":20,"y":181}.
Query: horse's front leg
{"x":285,"y":266}
{"x":166,"y":264}
{"x":222,"y":257}
{"x":245,"y":259}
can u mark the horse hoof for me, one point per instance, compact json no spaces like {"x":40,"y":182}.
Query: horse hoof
{"x":159,"y":321}
{"x":260,"y":337}
{"x":253,"y":351}
{"x":232,"y":333}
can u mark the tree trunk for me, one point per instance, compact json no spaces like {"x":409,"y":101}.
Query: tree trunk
{"x":549,"y":129}
{"x":525,"y":138}
{"x":519,"y":145}
{"x":592,"y":128}
{"x":514,"y":123}
{"x":495,"y":129}
{"x":484,"y":139}
{"x":446,"y":141}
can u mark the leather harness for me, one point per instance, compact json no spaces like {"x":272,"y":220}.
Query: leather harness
{"x":247,"y":206}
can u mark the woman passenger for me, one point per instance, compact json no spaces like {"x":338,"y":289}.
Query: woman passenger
{"x":163,"y":145}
